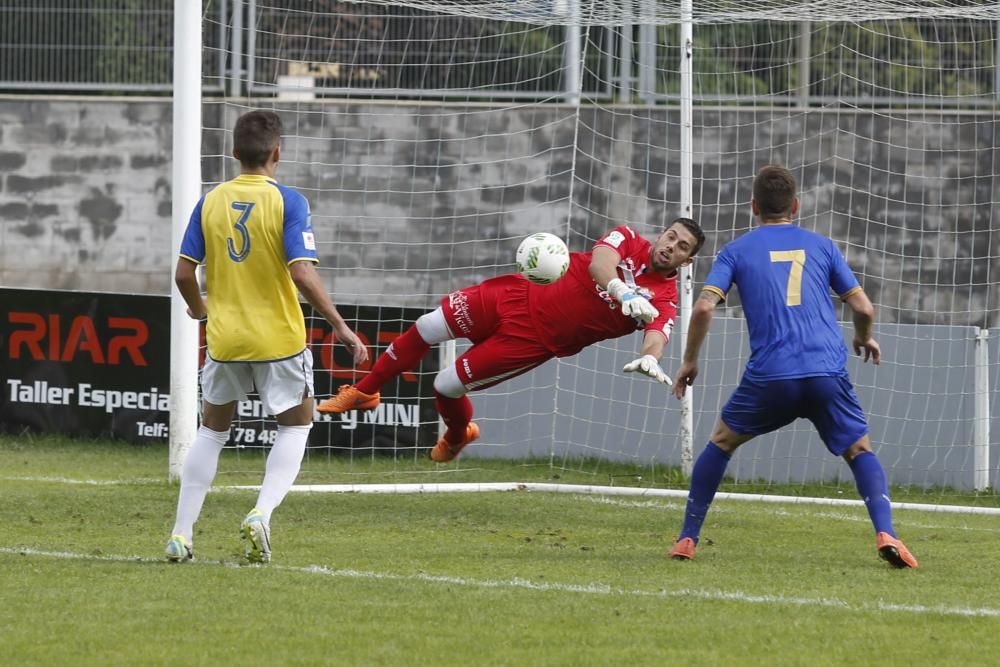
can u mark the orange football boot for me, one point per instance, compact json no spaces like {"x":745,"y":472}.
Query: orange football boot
{"x":445,"y":451}
{"x":894,"y":551}
{"x":349,"y":398}
{"x":683,"y":549}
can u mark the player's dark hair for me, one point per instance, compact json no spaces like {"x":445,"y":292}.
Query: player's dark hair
{"x":774,"y":191}
{"x":696,"y":232}
{"x":255,"y":136}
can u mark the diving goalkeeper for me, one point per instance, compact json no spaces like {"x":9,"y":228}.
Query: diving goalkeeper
{"x":623,"y":284}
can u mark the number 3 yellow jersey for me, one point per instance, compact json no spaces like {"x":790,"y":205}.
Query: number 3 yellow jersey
{"x":247,"y":232}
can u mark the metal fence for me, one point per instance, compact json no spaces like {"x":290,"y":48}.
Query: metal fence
{"x":320,"y":48}
{"x":74,"y":46}
{"x":381,"y":51}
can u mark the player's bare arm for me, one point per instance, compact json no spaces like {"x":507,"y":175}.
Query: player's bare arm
{"x":603,"y":265}
{"x":186,"y":278}
{"x":653,"y":343}
{"x":701,"y":320}
{"x":308,"y":282}
{"x":864,"y":318}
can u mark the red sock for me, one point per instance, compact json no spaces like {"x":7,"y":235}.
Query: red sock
{"x":456,"y":413}
{"x":403,"y":354}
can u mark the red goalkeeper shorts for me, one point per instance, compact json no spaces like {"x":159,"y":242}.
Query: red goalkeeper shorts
{"x":494,"y":316}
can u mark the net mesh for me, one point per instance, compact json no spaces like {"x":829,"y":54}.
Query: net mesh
{"x":660,"y":12}
{"x":430,"y":138}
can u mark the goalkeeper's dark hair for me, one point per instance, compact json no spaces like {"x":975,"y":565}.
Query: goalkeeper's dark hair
{"x":696,"y":232}
{"x":255,"y":137}
{"x":774,"y":190}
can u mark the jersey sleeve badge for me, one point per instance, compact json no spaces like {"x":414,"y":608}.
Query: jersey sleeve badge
{"x":614,"y":239}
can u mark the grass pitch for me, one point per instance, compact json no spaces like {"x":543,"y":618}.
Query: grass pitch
{"x":508,"y":578}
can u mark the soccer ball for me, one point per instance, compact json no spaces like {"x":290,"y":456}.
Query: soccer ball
{"x":542,"y":258}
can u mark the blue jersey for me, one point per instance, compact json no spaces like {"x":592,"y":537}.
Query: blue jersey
{"x":784,"y":274}
{"x":247,"y":231}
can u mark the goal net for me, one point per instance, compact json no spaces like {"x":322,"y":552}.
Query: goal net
{"x":431,"y":137}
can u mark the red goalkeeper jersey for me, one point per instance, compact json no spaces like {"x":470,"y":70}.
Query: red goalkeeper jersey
{"x":575,"y":312}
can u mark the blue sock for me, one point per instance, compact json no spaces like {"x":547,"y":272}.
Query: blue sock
{"x":874,"y":489}
{"x":705,"y":480}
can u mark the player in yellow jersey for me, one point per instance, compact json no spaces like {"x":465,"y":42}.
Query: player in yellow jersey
{"x":256,"y":243}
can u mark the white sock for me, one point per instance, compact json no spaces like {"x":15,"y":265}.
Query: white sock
{"x":282,"y":467}
{"x":196,"y":478}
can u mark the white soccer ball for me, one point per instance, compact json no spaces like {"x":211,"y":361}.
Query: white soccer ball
{"x":542,"y":258}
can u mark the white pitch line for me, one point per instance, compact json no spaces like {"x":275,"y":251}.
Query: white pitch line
{"x":135,"y":481}
{"x":527,"y":584}
{"x":644,"y":492}
{"x":546,"y":487}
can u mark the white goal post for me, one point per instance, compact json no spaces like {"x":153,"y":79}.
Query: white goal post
{"x":186,"y":178}
{"x":431,"y":136}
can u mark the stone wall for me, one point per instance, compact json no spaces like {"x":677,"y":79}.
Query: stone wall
{"x":85,"y":194}
{"x":413,"y":200}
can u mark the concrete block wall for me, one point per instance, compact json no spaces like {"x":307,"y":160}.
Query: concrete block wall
{"x":85,"y":194}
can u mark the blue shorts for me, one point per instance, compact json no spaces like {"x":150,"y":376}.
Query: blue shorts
{"x":762,"y":406}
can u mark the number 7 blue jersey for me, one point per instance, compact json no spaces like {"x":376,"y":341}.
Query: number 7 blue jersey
{"x":784,"y":275}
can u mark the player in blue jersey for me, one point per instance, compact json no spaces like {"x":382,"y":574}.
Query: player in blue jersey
{"x":256,"y":243}
{"x":797,"y":365}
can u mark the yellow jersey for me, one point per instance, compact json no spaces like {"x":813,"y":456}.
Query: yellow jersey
{"x":247,"y":232}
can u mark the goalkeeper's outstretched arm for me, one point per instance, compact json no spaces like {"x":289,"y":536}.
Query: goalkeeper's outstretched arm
{"x":649,"y":362}
{"x":652,"y":344}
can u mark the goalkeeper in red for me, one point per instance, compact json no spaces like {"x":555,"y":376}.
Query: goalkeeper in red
{"x":625,"y":283}
{"x":797,"y":367}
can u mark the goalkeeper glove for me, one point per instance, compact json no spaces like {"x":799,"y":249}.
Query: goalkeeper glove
{"x":648,"y":365}
{"x":633,"y":305}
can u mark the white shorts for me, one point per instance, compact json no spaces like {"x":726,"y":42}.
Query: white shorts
{"x":282,"y":384}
